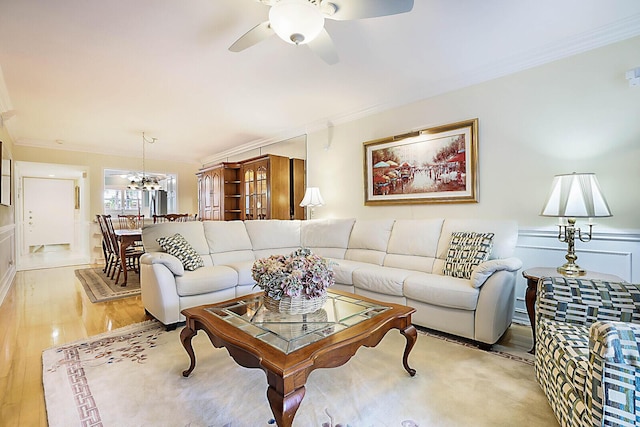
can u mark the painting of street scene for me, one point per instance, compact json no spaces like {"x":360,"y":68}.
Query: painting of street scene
{"x":427,"y":167}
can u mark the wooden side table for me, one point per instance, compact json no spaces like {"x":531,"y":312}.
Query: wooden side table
{"x":534,"y":274}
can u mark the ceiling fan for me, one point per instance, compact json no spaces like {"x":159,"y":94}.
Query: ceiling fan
{"x":302,"y":22}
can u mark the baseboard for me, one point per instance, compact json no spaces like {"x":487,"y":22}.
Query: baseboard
{"x":7,"y":281}
{"x":7,"y":259}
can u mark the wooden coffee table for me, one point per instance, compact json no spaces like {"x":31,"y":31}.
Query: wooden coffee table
{"x":289,"y":348}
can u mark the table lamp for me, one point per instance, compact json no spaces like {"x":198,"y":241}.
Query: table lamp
{"x":572,"y":196}
{"x":312,"y":198}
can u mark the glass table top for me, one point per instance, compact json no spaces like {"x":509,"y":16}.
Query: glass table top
{"x":288,"y":333}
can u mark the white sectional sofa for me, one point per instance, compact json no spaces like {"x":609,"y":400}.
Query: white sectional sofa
{"x":399,"y":261}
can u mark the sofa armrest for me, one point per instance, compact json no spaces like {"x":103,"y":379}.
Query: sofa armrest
{"x":494,"y":311}
{"x":585,"y":301}
{"x":615,"y":342}
{"x":483,"y":270}
{"x":171,"y":262}
{"x":613,"y":376}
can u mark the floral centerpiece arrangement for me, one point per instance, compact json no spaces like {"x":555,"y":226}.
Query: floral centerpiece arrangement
{"x":296,"y":283}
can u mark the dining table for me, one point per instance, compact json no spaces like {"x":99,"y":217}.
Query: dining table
{"x":127,"y":237}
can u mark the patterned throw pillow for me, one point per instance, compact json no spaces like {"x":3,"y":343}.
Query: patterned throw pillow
{"x":466,"y":250}
{"x":178,"y":246}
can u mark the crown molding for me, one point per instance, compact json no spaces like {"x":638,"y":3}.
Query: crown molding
{"x":66,"y":146}
{"x":5,"y":101}
{"x":253,"y":145}
{"x":615,"y":32}
{"x":6,"y":106}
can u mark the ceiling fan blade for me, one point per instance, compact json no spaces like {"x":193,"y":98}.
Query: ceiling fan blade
{"x":360,"y":9}
{"x":323,"y":46}
{"x":253,"y":36}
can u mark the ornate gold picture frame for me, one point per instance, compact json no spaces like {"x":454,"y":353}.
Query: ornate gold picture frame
{"x":434,"y":165}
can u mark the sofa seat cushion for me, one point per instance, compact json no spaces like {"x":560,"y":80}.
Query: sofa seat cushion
{"x":444,"y":291}
{"x":206,"y":279}
{"x":564,"y":348}
{"x":243,"y":268}
{"x":383,"y":280}
{"x":344,"y":268}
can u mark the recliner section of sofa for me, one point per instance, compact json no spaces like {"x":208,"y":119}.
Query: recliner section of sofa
{"x":399,"y":261}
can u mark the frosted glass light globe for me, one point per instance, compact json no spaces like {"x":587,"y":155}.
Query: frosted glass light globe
{"x":296,"y":21}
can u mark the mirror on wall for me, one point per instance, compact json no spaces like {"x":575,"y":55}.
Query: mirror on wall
{"x":5,"y":173}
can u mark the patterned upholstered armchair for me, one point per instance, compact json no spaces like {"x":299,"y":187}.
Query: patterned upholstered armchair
{"x":588,"y":350}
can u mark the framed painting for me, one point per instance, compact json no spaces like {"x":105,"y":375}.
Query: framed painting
{"x":434,"y":165}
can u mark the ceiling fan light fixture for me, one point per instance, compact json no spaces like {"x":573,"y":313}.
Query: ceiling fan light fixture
{"x":296,"y":21}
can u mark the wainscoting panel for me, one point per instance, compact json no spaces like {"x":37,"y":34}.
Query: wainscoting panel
{"x":615,"y":253}
{"x":7,"y":258}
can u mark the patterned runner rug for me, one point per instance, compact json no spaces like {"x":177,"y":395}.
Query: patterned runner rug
{"x":132,"y":377}
{"x":99,"y":287}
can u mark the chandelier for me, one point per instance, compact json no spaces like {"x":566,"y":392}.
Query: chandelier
{"x":145,"y":182}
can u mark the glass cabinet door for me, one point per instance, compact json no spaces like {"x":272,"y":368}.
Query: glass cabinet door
{"x":249,"y":194}
{"x":261,"y":192}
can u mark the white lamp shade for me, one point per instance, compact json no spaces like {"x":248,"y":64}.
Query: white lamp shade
{"x":576,"y":195}
{"x":296,"y":21}
{"x":312,"y":197}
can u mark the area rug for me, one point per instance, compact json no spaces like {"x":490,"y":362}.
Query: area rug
{"x":99,"y":287}
{"x":132,"y":377}
{"x":497,"y":349}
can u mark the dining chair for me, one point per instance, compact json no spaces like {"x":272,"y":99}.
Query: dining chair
{"x":170,"y":218}
{"x":132,"y":254}
{"x":130,"y":222}
{"x":107,"y":248}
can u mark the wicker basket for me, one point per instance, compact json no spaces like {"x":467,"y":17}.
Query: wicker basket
{"x":298,"y":305}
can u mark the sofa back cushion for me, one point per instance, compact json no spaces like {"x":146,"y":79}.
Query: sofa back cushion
{"x":228,"y":241}
{"x":192,"y":231}
{"x":269,"y":237}
{"x":369,"y":239}
{"x":327,"y":237}
{"x":504,"y":240}
{"x":413,"y":244}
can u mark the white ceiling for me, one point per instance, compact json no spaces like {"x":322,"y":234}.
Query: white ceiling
{"x":92,"y":75}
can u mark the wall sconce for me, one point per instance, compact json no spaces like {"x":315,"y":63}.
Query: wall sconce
{"x":572,"y":196}
{"x":311,"y":199}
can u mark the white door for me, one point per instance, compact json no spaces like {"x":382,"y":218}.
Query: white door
{"x":48,"y":211}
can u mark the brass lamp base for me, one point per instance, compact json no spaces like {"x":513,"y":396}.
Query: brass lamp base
{"x":567,"y":234}
{"x":571,"y":269}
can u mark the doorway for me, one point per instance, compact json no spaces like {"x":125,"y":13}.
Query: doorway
{"x":51,"y":215}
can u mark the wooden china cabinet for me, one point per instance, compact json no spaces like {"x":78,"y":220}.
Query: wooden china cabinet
{"x":265,"y":187}
{"x":220,"y":192}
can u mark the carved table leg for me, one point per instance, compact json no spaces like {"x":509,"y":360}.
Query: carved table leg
{"x":530,"y":301}
{"x":185,"y":337}
{"x":284,"y":408}
{"x":411,"y":335}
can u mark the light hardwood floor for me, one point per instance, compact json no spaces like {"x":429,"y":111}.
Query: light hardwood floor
{"x":48,"y":307}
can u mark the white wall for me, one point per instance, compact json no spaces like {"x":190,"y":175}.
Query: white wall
{"x":577,"y":114}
